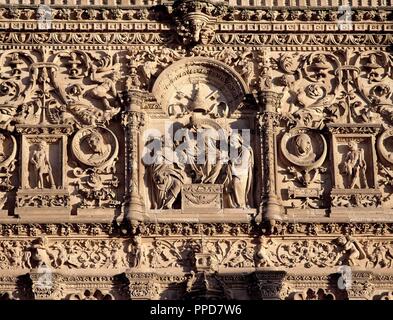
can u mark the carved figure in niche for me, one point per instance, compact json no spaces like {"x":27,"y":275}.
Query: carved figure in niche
{"x":303,"y":148}
{"x":201,"y":154}
{"x":355,"y":166}
{"x":240,"y":172}
{"x":352,"y":248}
{"x":138,"y":252}
{"x":39,"y":255}
{"x":166,"y":175}
{"x":40,"y":161}
{"x":100,"y":149}
{"x":106,"y":86}
{"x":213,"y":159}
{"x":262,"y":255}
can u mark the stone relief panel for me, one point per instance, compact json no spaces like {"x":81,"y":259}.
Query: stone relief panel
{"x":333,"y":92}
{"x":189,"y":158}
{"x":192,"y":254}
{"x":60,"y":104}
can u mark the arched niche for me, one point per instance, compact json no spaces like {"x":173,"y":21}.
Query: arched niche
{"x":215,"y":81}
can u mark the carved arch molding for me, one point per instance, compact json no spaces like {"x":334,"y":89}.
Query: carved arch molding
{"x":106,"y":112}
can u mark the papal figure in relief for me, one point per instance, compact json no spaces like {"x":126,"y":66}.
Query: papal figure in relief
{"x":43,"y":168}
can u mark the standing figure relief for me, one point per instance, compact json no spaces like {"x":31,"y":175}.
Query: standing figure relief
{"x":43,"y":167}
{"x":240,"y":171}
{"x":355,"y":166}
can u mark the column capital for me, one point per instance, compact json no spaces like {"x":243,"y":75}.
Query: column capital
{"x":134,"y":99}
{"x":269,"y":100}
{"x":134,"y":120}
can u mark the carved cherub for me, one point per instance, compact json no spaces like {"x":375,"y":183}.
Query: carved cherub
{"x":138,"y":252}
{"x":106,"y":85}
{"x":353,"y":249}
{"x":39,"y":254}
{"x":262,"y":255}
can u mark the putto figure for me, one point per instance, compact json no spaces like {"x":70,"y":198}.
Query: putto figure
{"x":355,"y":166}
{"x":40,"y":161}
{"x":106,"y":86}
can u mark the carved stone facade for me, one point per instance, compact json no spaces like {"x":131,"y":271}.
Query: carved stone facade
{"x":196,"y":149}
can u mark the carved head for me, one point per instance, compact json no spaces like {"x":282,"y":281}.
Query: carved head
{"x":303,"y":144}
{"x":116,"y":76}
{"x":42,"y":145}
{"x":352,"y":145}
{"x":95,"y":142}
{"x":342,"y":240}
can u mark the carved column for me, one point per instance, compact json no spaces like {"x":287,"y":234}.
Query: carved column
{"x":133,"y":120}
{"x":268,"y":120}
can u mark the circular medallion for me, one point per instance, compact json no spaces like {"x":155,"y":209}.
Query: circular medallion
{"x":7,"y":149}
{"x":95,"y":146}
{"x":385,"y":145}
{"x":304,"y":148}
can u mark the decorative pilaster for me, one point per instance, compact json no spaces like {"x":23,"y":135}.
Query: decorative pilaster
{"x":45,"y":284}
{"x":268,"y":285}
{"x":360,"y":287}
{"x":268,"y":120}
{"x":133,"y":121}
{"x":143,"y":286}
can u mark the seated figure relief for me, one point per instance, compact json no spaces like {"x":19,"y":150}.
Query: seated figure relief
{"x":166,"y":176}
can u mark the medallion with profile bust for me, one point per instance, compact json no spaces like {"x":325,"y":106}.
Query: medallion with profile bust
{"x":304,"y":148}
{"x":95,"y":146}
